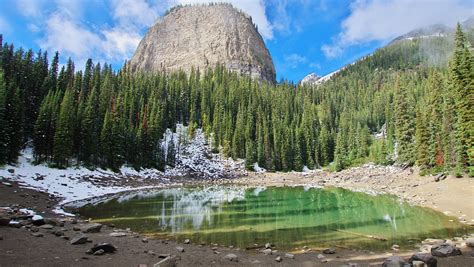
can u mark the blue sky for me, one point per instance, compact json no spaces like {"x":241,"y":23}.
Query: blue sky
{"x":303,"y":36}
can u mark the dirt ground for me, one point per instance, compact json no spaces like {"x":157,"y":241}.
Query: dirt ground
{"x":18,"y":246}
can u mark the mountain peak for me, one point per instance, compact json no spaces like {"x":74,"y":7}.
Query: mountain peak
{"x":202,"y":36}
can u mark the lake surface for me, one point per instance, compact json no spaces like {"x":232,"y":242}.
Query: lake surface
{"x":289,"y":217}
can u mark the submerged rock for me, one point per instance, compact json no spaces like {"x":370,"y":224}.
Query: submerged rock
{"x":289,"y":256}
{"x":329,"y":251}
{"x":394,"y":261}
{"x":231,"y":257}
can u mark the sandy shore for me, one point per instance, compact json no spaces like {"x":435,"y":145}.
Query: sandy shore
{"x":19,"y":247}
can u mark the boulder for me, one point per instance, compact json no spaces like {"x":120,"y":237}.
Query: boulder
{"x":91,"y":228}
{"x":268,"y":245}
{"x":79,"y":239}
{"x":394,"y":261}
{"x":99,"y":252}
{"x":278,"y":259}
{"x":187,"y":241}
{"x":445,"y":250}
{"x":231,"y":257}
{"x":267,"y":251}
{"x":180,"y":249}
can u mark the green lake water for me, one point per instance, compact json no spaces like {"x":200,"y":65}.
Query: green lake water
{"x":289,"y":217}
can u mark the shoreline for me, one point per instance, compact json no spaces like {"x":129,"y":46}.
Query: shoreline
{"x":404,"y":184}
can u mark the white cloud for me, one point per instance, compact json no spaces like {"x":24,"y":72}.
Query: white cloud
{"x":292,"y":61}
{"x":4,"y":26}
{"x":29,"y":8}
{"x":119,"y":44}
{"x":68,"y":37}
{"x":255,"y":8}
{"x":381,"y":20}
{"x":134,"y":13}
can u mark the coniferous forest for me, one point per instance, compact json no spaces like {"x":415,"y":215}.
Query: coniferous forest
{"x":392,"y":107}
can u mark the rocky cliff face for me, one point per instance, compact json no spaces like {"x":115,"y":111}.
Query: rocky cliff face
{"x":202,"y":36}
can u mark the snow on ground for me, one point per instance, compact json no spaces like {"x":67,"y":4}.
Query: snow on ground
{"x":193,"y":157}
{"x":65,"y":183}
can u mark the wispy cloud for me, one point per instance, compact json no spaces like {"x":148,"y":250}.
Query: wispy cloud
{"x":381,"y":20}
{"x":292,"y":61}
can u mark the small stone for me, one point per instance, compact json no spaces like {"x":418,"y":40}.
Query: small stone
{"x":278,"y":259}
{"x":99,"y":252}
{"x":145,"y":240}
{"x":74,"y":221}
{"x":289,"y":256}
{"x":47,"y":226}
{"x":321,"y":256}
{"x":91,"y":228}
{"x":37,"y":234}
{"x":395,"y":247}
{"x":11,"y":170}
{"x":79,"y":239}
{"x":214,"y":248}
{"x":180,"y":249}
{"x":106,"y":247}
{"x":58,"y":233}
{"x":231,"y":257}
{"x":37,"y":220}
{"x":15,"y":224}
{"x":329,"y":251}
{"x":187,"y":241}
{"x":118,"y":234}
{"x":470,"y":242}
{"x":267,"y":251}
{"x":418,"y":264}
{"x":426,"y":258}
{"x":268,"y":245}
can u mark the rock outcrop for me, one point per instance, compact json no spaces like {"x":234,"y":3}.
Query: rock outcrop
{"x":202,"y":36}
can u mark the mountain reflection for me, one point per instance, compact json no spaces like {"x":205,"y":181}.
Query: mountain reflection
{"x":286,"y":216}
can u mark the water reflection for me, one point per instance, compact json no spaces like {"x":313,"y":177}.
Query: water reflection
{"x":288,"y":217}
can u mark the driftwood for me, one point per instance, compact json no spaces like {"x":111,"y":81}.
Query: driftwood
{"x":380,"y":238}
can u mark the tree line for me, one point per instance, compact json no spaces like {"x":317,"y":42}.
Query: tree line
{"x":99,"y":117}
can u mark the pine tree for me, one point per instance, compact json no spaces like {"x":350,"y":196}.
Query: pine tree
{"x":339,"y":153}
{"x":403,"y":125}
{"x":64,"y":135}
{"x":3,"y":120}
{"x":421,"y":139}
